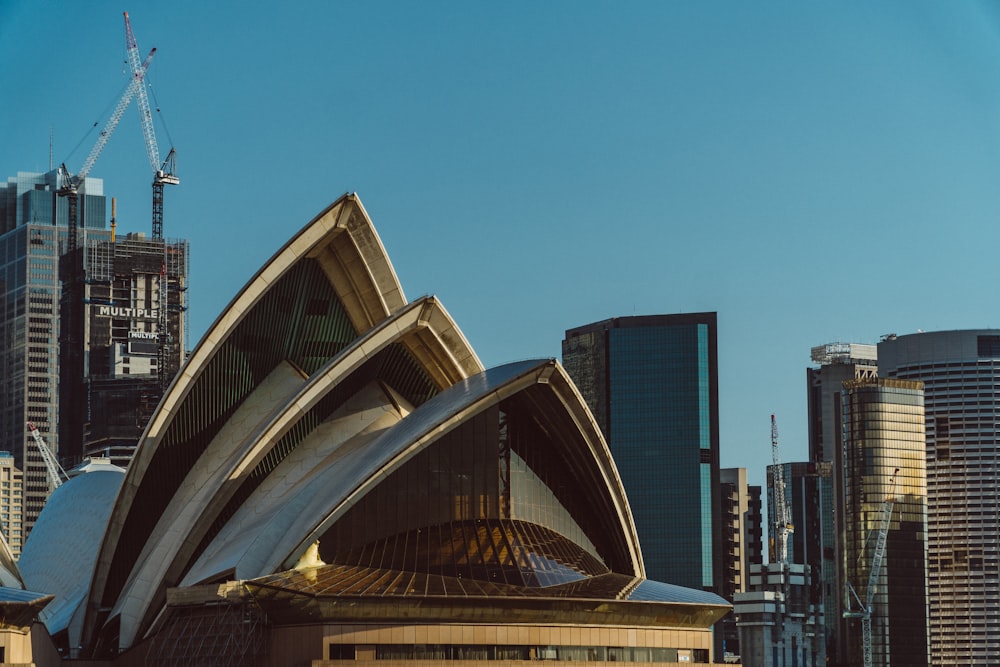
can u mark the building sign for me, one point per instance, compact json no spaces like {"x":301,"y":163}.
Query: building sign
{"x":131,"y":313}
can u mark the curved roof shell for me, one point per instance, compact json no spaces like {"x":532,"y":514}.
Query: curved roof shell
{"x":61,"y":551}
{"x":325,"y":418}
{"x":318,"y":296}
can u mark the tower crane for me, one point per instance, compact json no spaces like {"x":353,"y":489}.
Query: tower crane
{"x":56,"y":472}
{"x":865,"y":614}
{"x":163,"y":172}
{"x":72,"y":182}
{"x":782,"y":522}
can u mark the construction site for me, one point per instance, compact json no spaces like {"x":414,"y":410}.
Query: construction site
{"x":135,"y":333}
{"x":123,"y":305}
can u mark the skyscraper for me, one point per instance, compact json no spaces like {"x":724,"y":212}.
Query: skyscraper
{"x":837,"y":363}
{"x":809,"y":494}
{"x":652,"y":384}
{"x":88,"y":386}
{"x":134,"y":313}
{"x":882,"y":461}
{"x":961,"y":375}
{"x":33,"y":223}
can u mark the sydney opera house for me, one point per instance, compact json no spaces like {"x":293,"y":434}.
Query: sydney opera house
{"x":334,"y":478}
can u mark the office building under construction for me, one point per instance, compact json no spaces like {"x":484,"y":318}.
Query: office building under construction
{"x":84,"y":354}
{"x":135,"y":333}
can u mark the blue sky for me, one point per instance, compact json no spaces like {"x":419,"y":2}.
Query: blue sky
{"x":813,"y":172}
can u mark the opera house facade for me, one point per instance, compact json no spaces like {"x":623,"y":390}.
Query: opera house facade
{"x":333,"y":478}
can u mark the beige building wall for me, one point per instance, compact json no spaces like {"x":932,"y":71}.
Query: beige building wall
{"x":11,"y":503}
{"x":308,"y":645}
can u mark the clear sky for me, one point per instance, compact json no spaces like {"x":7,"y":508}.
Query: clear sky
{"x":814,"y":172}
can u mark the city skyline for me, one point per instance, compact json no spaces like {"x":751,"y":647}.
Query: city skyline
{"x":795,"y":169}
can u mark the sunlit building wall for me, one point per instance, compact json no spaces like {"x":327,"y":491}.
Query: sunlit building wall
{"x":737,"y":529}
{"x":882,"y":459}
{"x":11,"y":503}
{"x":961,"y":375}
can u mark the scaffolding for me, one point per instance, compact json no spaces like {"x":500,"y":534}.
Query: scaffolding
{"x":136,"y":330}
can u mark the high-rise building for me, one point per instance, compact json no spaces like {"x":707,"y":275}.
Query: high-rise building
{"x":778,"y":625}
{"x":652,"y":384}
{"x":882,"y":462}
{"x":89,"y":379}
{"x":809,"y":494}
{"x":837,"y":363}
{"x":33,"y":224}
{"x":739,"y":526}
{"x":11,"y":503}
{"x":961,"y":375}
{"x":134,"y":313}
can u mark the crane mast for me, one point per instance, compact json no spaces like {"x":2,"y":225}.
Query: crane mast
{"x":782,"y":521}
{"x":163,"y":172}
{"x":885,"y":516}
{"x":56,"y":472}
{"x":71,"y":182}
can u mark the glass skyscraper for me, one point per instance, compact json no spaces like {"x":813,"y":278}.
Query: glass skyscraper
{"x":33,"y":224}
{"x":652,"y":384}
{"x":961,"y":375}
{"x":882,"y":457}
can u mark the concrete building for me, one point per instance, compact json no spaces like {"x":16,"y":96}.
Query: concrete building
{"x":836,"y":363}
{"x":960,"y":371}
{"x":33,"y":223}
{"x":134,"y":314}
{"x":11,"y":503}
{"x":778,"y":625}
{"x":883,"y":459}
{"x":334,"y":476}
{"x":652,"y":384}
{"x":738,"y":527}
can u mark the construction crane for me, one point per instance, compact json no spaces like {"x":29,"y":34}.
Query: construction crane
{"x":71,"y":182}
{"x":163,"y":172}
{"x":783,"y":525}
{"x":56,"y":472}
{"x":865,"y":614}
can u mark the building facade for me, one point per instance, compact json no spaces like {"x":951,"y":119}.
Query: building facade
{"x":960,"y":371}
{"x":755,"y":526}
{"x":885,"y":489}
{"x":33,"y":224}
{"x":652,"y":384}
{"x":739,"y":526}
{"x":809,"y":494}
{"x":85,"y":365}
{"x":778,"y":625}
{"x":11,"y":503}
{"x":134,"y":314}
{"x":835,"y":364}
